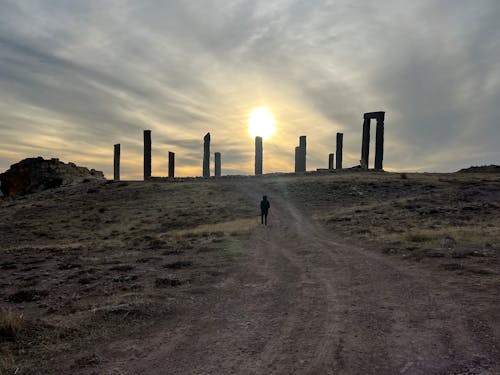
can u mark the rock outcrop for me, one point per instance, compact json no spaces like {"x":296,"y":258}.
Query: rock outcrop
{"x":36,"y":174}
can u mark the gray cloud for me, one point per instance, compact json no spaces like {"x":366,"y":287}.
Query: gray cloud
{"x":77,"y":77}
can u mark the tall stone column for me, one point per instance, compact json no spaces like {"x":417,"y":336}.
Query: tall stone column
{"x":171,"y":164}
{"x":379,"y":144}
{"x":217,"y":164}
{"x":147,"y":154}
{"x":330,"y":161}
{"x":258,"y":156}
{"x":365,"y":143}
{"x":116,"y":163}
{"x":303,"y":152}
{"x":339,"y":150}
{"x":297,"y":159}
{"x":206,"y":155}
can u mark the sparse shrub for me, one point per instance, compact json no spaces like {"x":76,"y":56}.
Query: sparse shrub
{"x":448,"y":242}
{"x":85,"y":281}
{"x":453,"y":266}
{"x":11,"y":323}
{"x":123,"y":268}
{"x":7,"y":363}
{"x":27,"y":296}
{"x":417,"y":237}
{"x":178,"y":265}
{"x":165,"y":282}
{"x":155,"y":243}
{"x":8,"y":266}
{"x":172,"y":252}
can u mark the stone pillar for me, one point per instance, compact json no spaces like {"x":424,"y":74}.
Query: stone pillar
{"x":303,"y":152}
{"x":116,"y":163}
{"x":365,"y":143}
{"x":340,"y":146}
{"x":171,"y":164}
{"x":217,"y":164}
{"x":147,"y":154}
{"x":206,"y":155}
{"x":379,"y":144}
{"x":297,"y":159}
{"x":258,"y":156}
{"x":330,"y":161}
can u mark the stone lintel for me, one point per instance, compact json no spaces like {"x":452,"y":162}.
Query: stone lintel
{"x":379,"y":116}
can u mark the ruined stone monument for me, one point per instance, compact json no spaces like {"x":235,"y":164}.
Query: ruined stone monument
{"x":379,"y":140}
{"x":300,"y":155}
{"x":147,"y":154}
{"x":330,"y":161}
{"x":171,"y":164}
{"x":206,"y":156}
{"x":217,"y":164}
{"x":258,"y":156}
{"x":302,"y":146}
{"x":340,"y":146}
{"x":116,"y":163}
{"x":297,"y":157}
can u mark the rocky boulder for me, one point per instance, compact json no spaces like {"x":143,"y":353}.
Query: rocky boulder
{"x":36,"y":174}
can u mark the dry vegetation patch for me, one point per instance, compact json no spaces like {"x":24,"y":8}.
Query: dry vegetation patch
{"x":11,"y":324}
{"x":95,"y":262}
{"x":442,"y":219}
{"x":90,"y":263}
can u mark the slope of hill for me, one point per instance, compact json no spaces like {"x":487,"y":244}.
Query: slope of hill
{"x":482,"y":169}
{"x":92,"y":272}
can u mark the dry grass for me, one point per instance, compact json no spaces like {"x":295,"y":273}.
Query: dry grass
{"x":238,"y":226}
{"x":421,"y":217}
{"x":7,"y":363}
{"x":386,"y":224}
{"x":11,"y":324}
{"x":91,"y":267}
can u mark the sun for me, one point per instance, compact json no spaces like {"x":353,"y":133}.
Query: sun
{"x":261,"y":123}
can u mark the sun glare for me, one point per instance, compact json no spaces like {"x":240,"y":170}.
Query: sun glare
{"x":261,"y":123}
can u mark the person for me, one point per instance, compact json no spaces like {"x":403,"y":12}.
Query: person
{"x":264,"y":209}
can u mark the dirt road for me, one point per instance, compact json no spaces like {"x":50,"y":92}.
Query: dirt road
{"x":301,"y":301}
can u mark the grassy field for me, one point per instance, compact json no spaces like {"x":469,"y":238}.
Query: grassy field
{"x":90,"y":263}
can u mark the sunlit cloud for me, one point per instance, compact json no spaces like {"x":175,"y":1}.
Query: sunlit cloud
{"x":77,"y":77}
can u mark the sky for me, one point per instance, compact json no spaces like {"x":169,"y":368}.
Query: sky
{"x":77,"y":77}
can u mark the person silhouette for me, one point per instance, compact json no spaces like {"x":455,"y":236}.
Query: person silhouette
{"x":264,"y":209}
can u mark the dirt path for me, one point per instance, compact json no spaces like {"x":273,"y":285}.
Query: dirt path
{"x":300,"y":302}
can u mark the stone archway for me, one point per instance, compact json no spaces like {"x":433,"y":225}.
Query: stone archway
{"x":379,"y":140}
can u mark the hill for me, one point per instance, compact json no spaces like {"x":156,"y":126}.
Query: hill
{"x":92,"y":270}
{"x":482,"y":169}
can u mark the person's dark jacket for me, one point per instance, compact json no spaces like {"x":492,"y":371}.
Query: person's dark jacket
{"x":264,"y":206}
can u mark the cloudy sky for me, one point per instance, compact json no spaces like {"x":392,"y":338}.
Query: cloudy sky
{"x":77,"y":77}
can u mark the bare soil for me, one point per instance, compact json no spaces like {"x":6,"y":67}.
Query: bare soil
{"x":356,"y":273}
